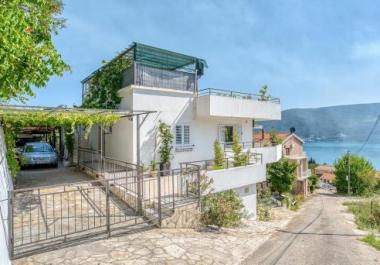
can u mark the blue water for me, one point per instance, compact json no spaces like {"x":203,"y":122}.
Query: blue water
{"x":328,"y":152}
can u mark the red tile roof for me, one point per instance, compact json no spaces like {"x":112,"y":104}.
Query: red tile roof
{"x":328,"y":176}
{"x":257,"y":137}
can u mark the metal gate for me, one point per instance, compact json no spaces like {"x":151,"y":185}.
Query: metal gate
{"x":52,"y":216}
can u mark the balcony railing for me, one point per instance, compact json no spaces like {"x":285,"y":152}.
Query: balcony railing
{"x":235,"y":94}
{"x":209,"y":164}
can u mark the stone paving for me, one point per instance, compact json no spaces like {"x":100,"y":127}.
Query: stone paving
{"x":169,"y":246}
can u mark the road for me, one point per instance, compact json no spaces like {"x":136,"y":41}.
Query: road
{"x":322,"y":233}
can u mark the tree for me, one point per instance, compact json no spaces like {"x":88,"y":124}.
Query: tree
{"x":362,"y":174}
{"x":28,"y":57}
{"x":264,"y":96}
{"x":218,"y":155}
{"x":274,"y":139}
{"x":239,"y":158}
{"x":282,"y":175}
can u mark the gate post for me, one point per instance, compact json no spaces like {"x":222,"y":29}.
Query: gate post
{"x":173,"y":189}
{"x":159,"y":199}
{"x":108,"y":209}
{"x":199,"y":185}
{"x":10,"y":225}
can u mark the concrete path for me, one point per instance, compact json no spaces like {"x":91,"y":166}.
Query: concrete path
{"x":322,"y":233}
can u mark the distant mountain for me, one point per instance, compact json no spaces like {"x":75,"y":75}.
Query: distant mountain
{"x":346,"y":122}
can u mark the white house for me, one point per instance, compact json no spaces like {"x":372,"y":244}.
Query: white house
{"x":164,"y":86}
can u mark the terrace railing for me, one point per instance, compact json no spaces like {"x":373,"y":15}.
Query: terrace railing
{"x":143,"y":75}
{"x":209,"y":164}
{"x":236,"y":94}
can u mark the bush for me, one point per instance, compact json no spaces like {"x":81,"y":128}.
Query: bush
{"x":313,"y":179}
{"x":263,"y":212}
{"x":281,"y":175}
{"x":293,"y":202}
{"x":362,"y":174}
{"x":223,"y":209}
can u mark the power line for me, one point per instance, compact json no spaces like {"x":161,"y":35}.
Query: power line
{"x":370,"y":134}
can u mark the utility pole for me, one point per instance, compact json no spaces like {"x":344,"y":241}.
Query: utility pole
{"x":349,"y":174}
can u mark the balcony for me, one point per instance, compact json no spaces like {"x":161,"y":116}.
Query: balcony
{"x":223,"y":103}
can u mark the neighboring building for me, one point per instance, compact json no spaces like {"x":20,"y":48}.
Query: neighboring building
{"x":164,"y":85}
{"x":292,"y":149}
{"x":325,"y":173}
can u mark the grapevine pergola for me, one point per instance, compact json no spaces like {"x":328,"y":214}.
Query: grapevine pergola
{"x":15,"y":117}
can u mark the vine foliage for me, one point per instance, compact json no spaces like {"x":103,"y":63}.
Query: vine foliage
{"x":13,"y":121}
{"x":102,"y":87}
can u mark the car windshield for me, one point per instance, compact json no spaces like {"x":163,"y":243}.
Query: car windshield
{"x":39,"y":147}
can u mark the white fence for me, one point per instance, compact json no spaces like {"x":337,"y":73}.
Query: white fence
{"x":5,"y":186}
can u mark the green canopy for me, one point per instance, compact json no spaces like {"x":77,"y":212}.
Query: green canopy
{"x":164,"y":59}
{"x":160,"y":58}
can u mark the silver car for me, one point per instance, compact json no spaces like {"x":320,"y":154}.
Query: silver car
{"x":38,"y":153}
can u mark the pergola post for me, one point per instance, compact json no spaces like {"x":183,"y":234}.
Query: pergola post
{"x":138,"y":161}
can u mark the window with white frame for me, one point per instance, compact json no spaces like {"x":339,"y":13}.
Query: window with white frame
{"x":182,"y":134}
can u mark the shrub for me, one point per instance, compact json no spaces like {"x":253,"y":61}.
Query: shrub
{"x":362,"y":174}
{"x":218,"y":156}
{"x":263,"y":213}
{"x":223,"y":209}
{"x":240,"y":158}
{"x":313,"y":179}
{"x":281,"y":175}
{"x":293,"y":202}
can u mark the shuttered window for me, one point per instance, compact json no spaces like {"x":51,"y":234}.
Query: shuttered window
{"x":186,"y":134}
{"x":178,"y":134}
{"x":182,"y":134}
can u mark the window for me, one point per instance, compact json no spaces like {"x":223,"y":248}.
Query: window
{"x":226,"y":132}
{"x":182,"y":134}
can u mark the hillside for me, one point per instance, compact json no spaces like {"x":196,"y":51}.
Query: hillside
{"x":346,"y":122}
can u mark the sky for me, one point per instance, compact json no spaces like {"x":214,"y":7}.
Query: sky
{"x":309,"y":53}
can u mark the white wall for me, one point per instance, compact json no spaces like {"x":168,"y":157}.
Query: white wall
{"x":5,"y":185}
{"x":173,"y":107}
{"x":223,"y":106}
{"x":242,"y":180}
{"x":271,"y":154}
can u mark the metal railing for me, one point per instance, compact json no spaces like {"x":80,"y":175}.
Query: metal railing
{"x":209,"y":164}
{"x":47,"y":216}
{"x":236,"y":94}
{"x":93,"y":160}
{"x":143,"y":75}
{"x":244,"y":145}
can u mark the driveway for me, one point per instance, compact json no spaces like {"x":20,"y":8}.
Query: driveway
{"x":322,"y":233}
{"x":37,"y":177}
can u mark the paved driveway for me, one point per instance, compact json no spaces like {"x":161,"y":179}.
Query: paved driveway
{"x":31,"y":178}
{"x":323,"y":233}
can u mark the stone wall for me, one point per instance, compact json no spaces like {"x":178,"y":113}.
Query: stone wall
{"x":186,"y":216}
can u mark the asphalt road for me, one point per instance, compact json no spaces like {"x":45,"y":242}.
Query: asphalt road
{"x":322,"y":233}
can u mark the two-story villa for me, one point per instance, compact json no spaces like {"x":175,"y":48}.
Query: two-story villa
{"x":164,"y":86}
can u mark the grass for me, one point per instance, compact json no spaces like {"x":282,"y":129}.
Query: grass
{"x":372,"y":241}
{"x":367,"y":213}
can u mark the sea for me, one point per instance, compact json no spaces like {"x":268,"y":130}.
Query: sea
{"x":329,"y":151}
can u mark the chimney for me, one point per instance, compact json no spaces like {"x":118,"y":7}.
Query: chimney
{"x":292,"y":130}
